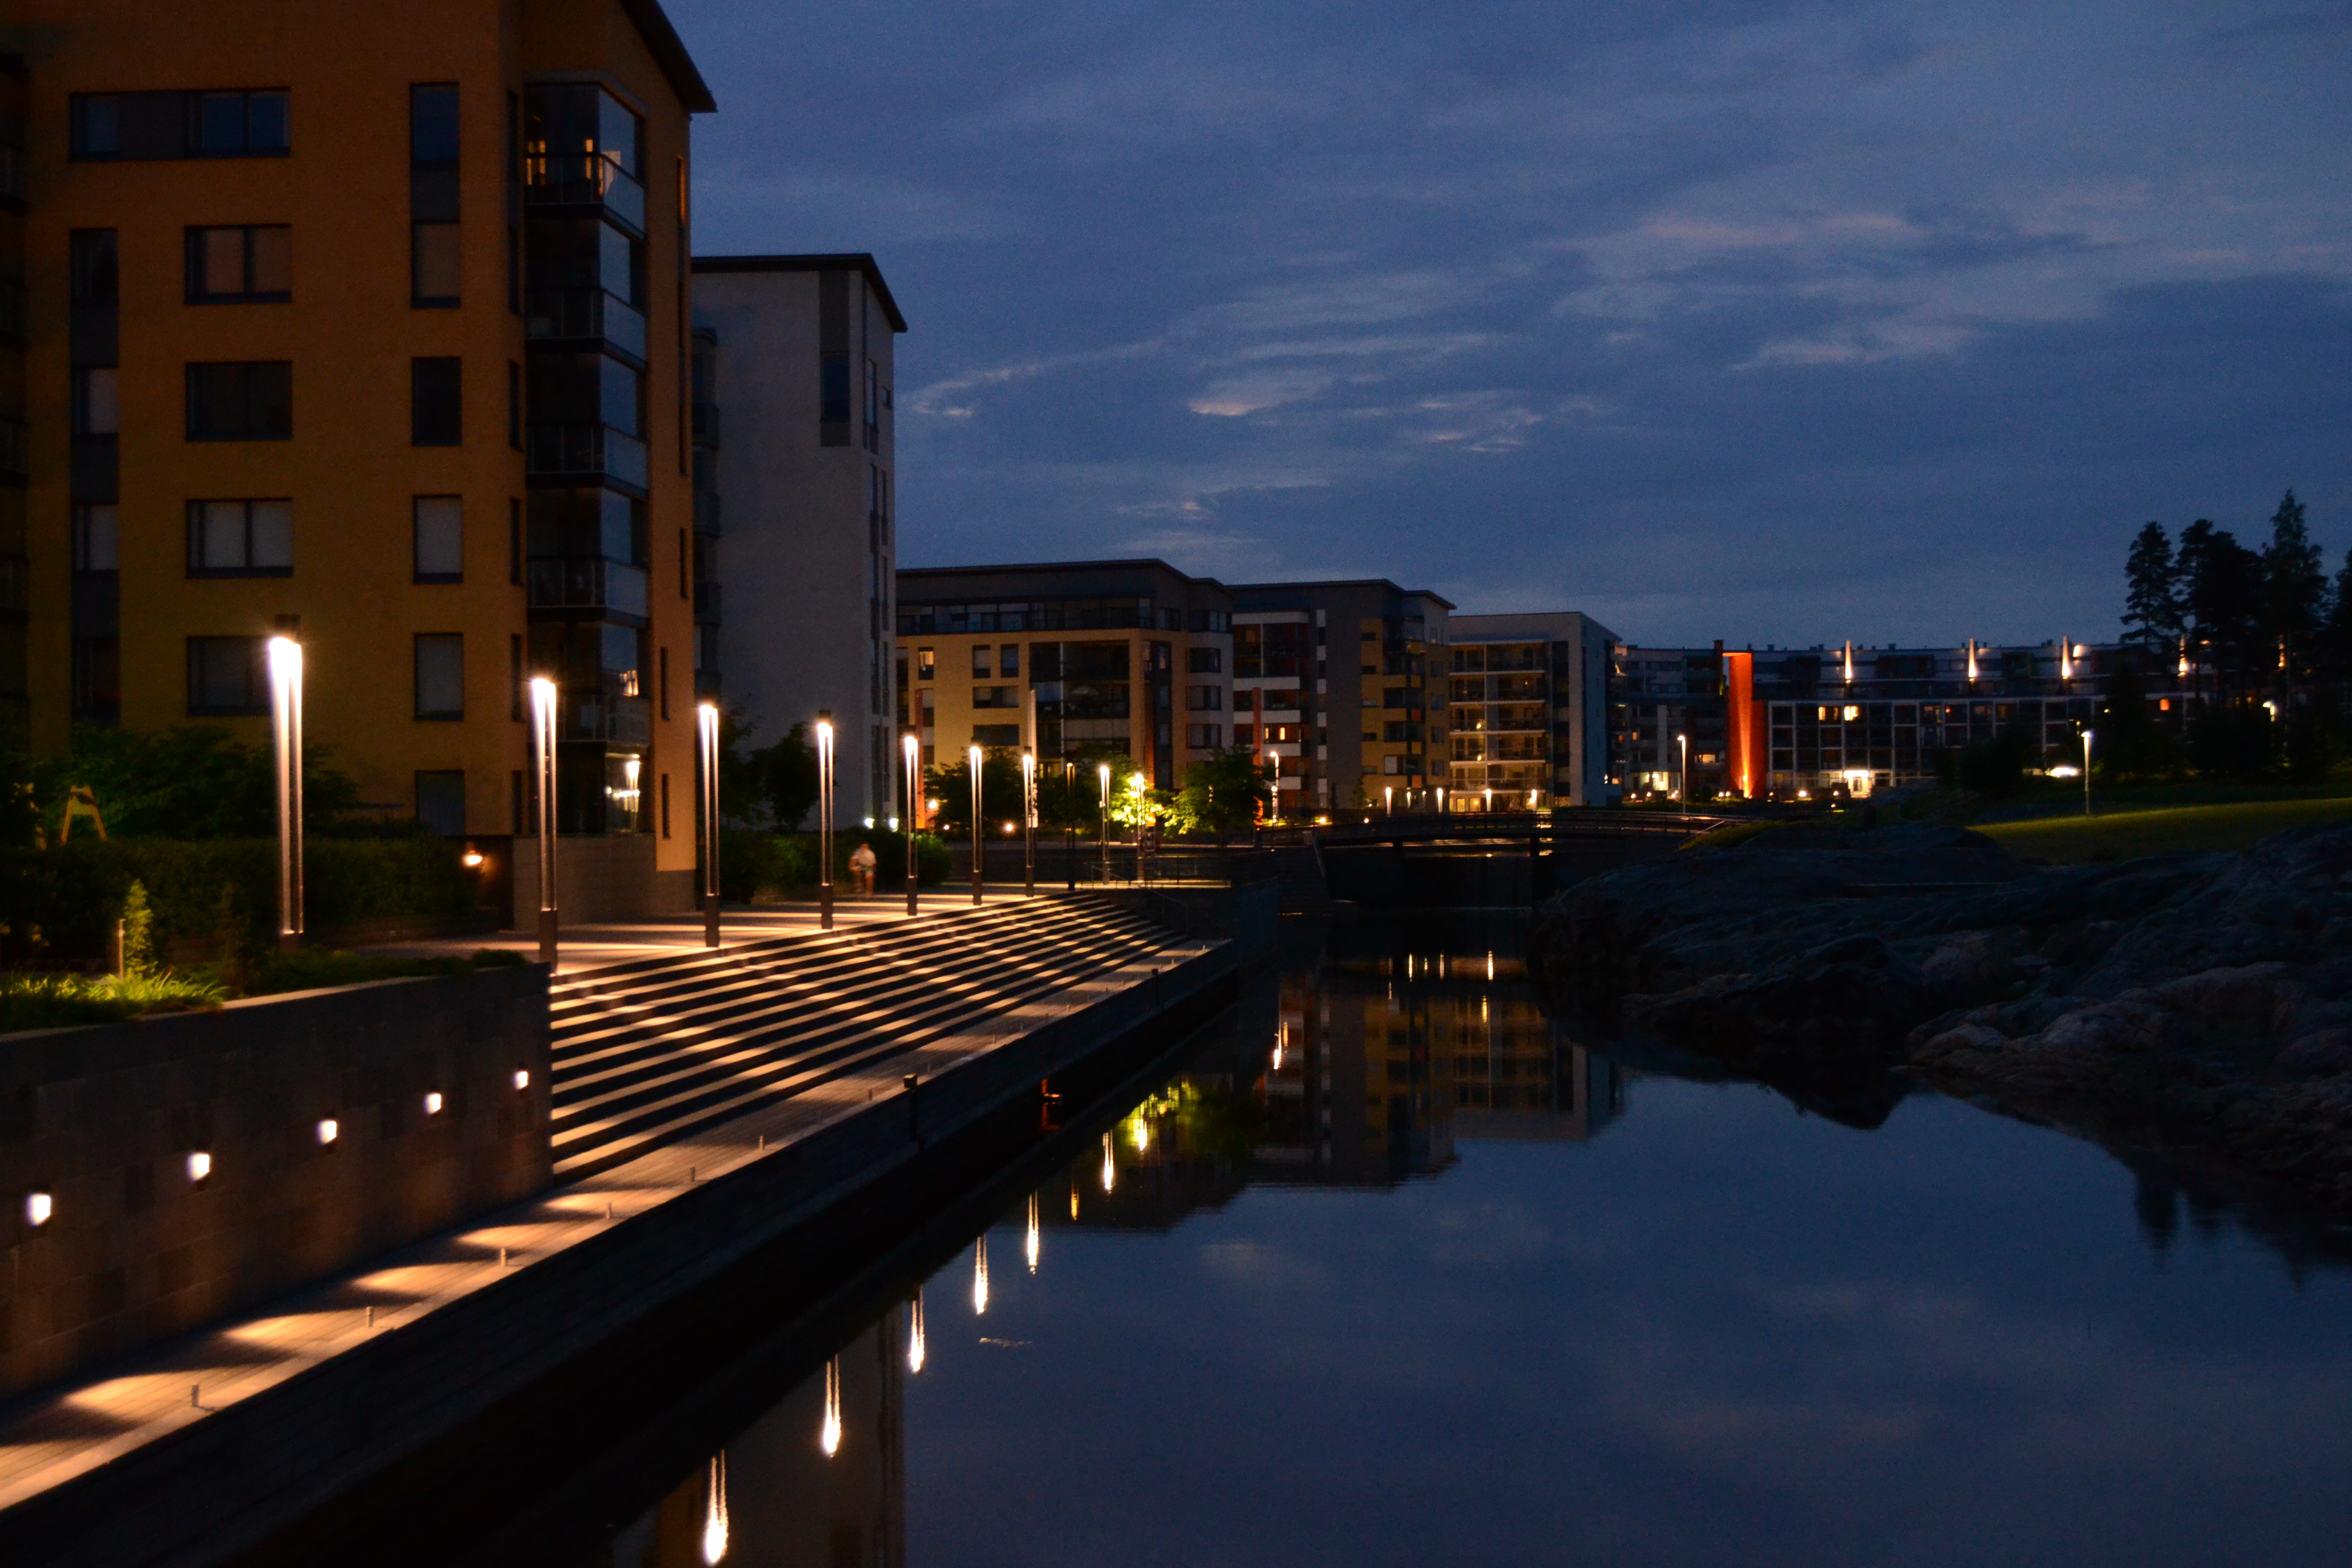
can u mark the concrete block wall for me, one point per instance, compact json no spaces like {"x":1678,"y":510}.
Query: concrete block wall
{"x":599,"y":879}
{"x":103,"y":1122}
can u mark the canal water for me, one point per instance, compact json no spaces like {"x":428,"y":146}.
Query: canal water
{"x":1399,"y":1270}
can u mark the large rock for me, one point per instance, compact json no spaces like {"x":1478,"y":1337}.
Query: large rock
{"x":2195,"y":998}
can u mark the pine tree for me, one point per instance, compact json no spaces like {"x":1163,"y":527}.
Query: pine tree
{"x":2222,"y":590}
{"x":2152,"y":597}
{"x":2294,"y":589}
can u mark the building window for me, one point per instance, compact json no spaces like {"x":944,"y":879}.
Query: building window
{"x":440,"y":675}
{"x":247,"y":400}
{"x":1205,"y":660}
{"x":128,"y":126}
{"x":996,"y":697}
{"x":436,"y":407}
{"x":97,"y":539}
{"x":983,"y":661}
{"x":926,"y":664}
{"x":1008,"y":659}
{"x":226,"y":677}
{"x":96,"y":401}
{"x":441,"y":801}
{"x":1204,"y":698}
{"x":240,"y":538}
{"x":439,"y":523}
{"x":1205,"y":737}
{"x":833,"y":388}
{"x":433,"y":260}
{"x":996,"y":734}
{"x":247,"y":265}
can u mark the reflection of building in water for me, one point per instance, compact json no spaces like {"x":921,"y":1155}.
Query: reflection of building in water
{"x":775,"y":1498}
{"x":1516,"y":1074}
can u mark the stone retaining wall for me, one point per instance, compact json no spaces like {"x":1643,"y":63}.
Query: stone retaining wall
{"x":185,"y":1171}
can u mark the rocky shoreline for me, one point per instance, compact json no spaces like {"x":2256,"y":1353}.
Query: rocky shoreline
{"x":2194,"y":1005}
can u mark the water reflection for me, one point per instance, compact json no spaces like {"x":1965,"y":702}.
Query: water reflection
{"x":1640,"y":1317}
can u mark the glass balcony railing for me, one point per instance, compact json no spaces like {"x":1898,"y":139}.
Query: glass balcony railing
{"x":586,"y":583}
{"x":585,"y":179}
{"x":705,"y":600}
{"x":585,"y":453}
{"x":584,"y":314}
{"x":603,"y":716}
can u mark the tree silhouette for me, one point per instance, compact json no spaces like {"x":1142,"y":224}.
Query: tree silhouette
{"x":2152,"y":590}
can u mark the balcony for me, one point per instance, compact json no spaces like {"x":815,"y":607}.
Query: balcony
{"x":706,"y":511}
{"x":587,"y":583}
{"x":706,"y":601}
{"x":606,"y":716}
{"x":585,"y":180}
{"x":585,"y":455}
{"x":706,"y":424}
{"x":586,"y":318}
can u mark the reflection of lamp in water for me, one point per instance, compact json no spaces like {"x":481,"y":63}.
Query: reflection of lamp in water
{"x":1032,"y":1238}
{"x":714,"y":1514}
{"x":915,"y":1331}
{"x":1490,"y":964}
{"x":1280,"y":1032}
{"x":1109,"y":1170}
{"x":1074,"y":1198}
{"x":1142,"y":1134}
{"x":979,"y":1277}
{"x":829,"y":1437}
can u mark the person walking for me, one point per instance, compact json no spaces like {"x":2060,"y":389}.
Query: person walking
{"x":862,"y":862}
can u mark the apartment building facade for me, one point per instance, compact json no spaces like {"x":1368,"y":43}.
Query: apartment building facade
{"x":368,"y":327}
{"x":1669,"y":721}
{"x":1124,"y":661}
{"x":1527,"y":711}
{"x":796,"y":354}
{"x":1333,"y":685}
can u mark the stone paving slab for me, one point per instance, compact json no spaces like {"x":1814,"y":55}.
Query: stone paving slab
{"x":51,"y":1436}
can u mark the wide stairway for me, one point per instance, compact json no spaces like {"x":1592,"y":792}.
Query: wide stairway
{"x":658,"y":1050}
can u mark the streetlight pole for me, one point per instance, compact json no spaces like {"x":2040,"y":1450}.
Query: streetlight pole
{"x":824,"y":819}
{"x":1029,"y":823}
{"x":1102,"y":771}
{"x":2087,"y":772}
{"x":912,"y":747}
{"x":1682,"y":778}
{"x":706,"y":719}
{"x":542,"y":736}
{"x":978,"y":839}
{"x":285,"y":716}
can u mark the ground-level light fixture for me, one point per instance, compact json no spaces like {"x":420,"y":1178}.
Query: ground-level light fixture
{"x":329,"y":1130}
{"x":39,"y":1209}
{"x":200,"y":1167}
{"x":471,"y":859}
{"x":434,"y":1102}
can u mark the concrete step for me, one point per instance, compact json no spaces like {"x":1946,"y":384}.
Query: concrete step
{"x":658,"y":1049}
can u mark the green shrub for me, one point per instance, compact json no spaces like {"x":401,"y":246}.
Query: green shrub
{"x":61,"y":902}
{"x":313,"y":968}
{"x":63,"y":1001}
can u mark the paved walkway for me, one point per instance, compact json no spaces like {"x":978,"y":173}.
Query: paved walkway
{"x":54,"y":1436}
{"x":586,"y":947}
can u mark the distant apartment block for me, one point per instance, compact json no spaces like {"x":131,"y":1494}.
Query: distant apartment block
{"x":1129,"y":661}
{"x":367,"y":325}
{"x":1527,"y":711}
{"x":795,"y":353}
{"x":1340,"y":686}
{"x":1851,"y":717}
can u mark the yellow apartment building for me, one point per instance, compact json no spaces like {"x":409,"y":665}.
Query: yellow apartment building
{"x":1129,"y":661}
{"x":368,"y":324}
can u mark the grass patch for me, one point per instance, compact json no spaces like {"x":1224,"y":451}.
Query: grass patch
{"x":1723,"y":836}
{"x":63,"y":1001}
{"x":2128,"y":835}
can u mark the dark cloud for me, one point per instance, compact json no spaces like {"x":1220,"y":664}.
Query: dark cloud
{"x":1777,"y":323}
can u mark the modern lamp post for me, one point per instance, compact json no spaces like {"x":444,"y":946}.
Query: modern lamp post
{"x":2087,"y":772}
{"x":1103,"y":771}
{"x":542,"y":738}
{"x":1682,"y":779}
{"x":286,"y":723}
{"x":1029,"y":823}
{"x":824,"y":819}
{"x":705,"y":723}
{"x":978,"y":841}
{"x":912,"y":750}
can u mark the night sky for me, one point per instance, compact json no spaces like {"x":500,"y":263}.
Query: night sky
{"x":1772,"y":322}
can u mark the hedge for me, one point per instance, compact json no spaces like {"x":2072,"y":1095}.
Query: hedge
{"x":752,"y":863}
{"x":60,"y":904}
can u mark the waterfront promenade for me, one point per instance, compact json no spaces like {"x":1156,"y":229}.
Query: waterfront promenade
{"x":52,"y":1437}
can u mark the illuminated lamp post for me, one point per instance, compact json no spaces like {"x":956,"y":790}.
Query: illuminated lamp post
{"x":1388,"y":799}
{"x":705,"y":723}
{"x":912,"y":750}
{"x":1682,"y":779}
{"x":1103,"y":771}
{"x":2087,"y":772}
{"x":824,"y":819}
{"x":542,"y":738}
{"x":979,"y":841}
{"x":1029,"y":823}
{"x":285,"y":725}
